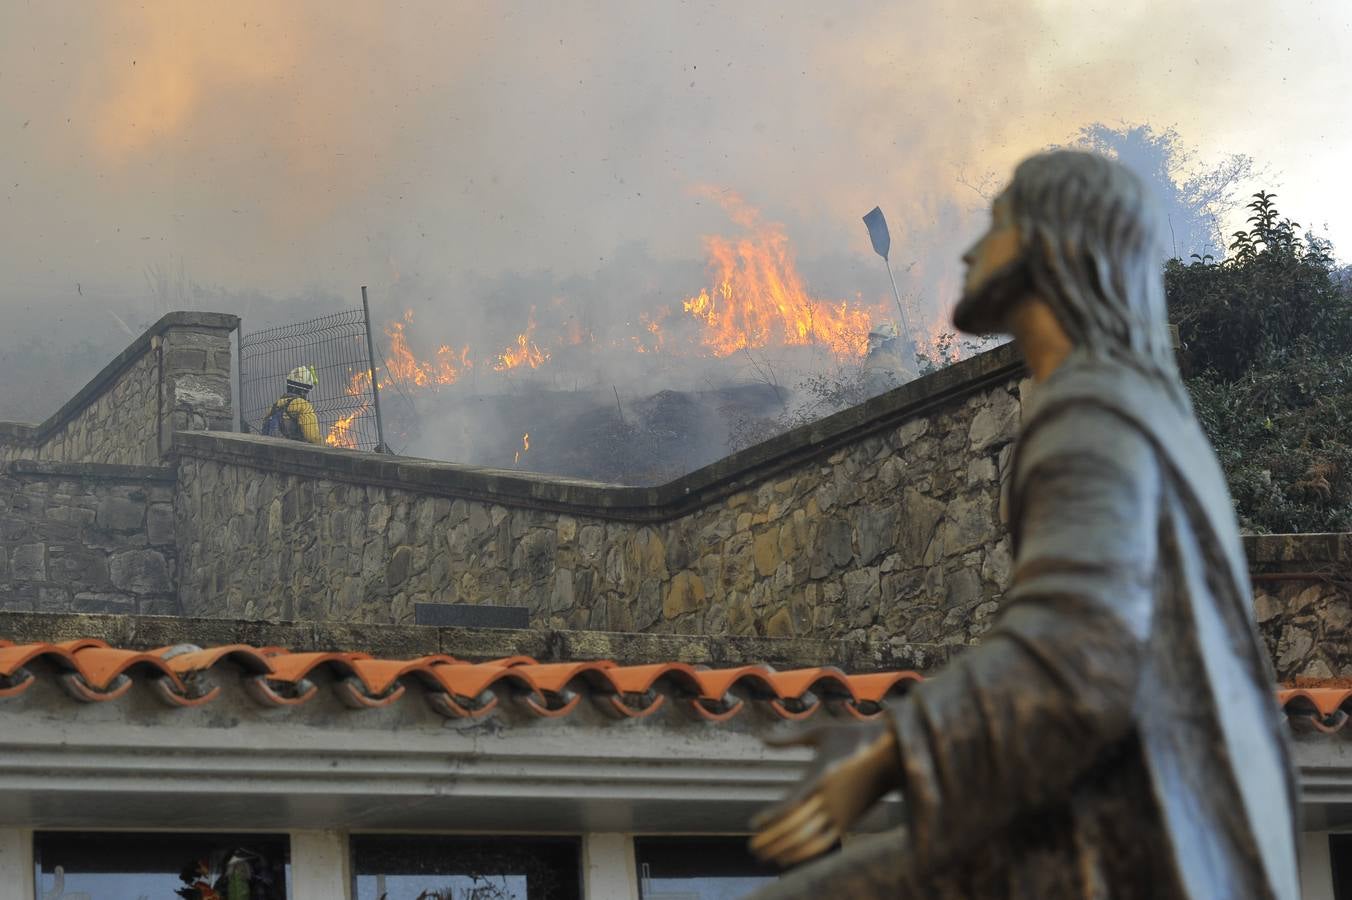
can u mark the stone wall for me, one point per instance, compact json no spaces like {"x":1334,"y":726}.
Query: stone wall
{"x":87,"y":538}
{"x":882,"y":522}
{"x":174,"y":377}
{"x":1303,"y":602}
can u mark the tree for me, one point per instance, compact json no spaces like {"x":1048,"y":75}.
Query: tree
{"x":1196,"y":200}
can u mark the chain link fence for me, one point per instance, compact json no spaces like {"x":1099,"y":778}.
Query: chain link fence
{"x":337,"y":346}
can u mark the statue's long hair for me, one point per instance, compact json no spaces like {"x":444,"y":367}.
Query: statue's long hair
{"x":1093,"y":239}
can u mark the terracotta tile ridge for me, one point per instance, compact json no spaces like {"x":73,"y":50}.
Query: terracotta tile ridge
{"x":1319,"y":704}
{"x":188,"y":658}
{"x":875,"y":687}
{"x":187,"y":675}
{"x":641,"y":679}
{"x":16,"y":656}
{"x":101,"y":666}
{"x":378,"y":675}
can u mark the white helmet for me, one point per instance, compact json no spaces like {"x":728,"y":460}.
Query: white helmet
{"x":302,"y":378}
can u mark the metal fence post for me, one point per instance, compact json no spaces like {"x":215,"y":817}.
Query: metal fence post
{"x":239,"y":377}
{"x":371,"y":367}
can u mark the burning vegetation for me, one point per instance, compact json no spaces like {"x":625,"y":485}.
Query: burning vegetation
{"x":359,"y":389}
{"x":525,"y":352}
{"x":754,"y":321}
{"x":759,"y":300}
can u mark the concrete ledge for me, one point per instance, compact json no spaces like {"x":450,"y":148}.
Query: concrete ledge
{"x":1278,"y":552}
{"x":699,"y":488}
{"x":405,"y":641}
{"x":31,"y":469}
{"x":21,"y":432}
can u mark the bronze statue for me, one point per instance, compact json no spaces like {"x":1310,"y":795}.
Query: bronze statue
{"x":1115,"y":734}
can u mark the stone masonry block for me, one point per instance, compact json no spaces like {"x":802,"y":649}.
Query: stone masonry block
{"x":160,"y":524}
{"x":120,"y":514}
{"x":29,"y":562}
{"x":140,"y":572}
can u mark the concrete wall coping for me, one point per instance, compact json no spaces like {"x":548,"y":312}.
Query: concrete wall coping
{"x":408,"y":641}
{"x":1314,"y":550}
{"x":727,"y":476}
{"x":34,"y":469}
{"x":23,"y":432}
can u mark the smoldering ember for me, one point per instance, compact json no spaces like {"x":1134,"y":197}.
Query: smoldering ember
{"x":499,"y":451}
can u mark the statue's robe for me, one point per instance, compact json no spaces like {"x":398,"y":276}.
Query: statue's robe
{"x":1115,"y":735}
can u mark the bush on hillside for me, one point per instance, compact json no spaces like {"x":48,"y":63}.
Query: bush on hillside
{"x":1267,"y":336}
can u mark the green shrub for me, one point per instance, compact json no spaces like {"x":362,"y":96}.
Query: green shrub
{"x":1266,"y":338}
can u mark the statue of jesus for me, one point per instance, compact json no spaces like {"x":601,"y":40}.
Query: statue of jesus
{"x":1115,"y":734}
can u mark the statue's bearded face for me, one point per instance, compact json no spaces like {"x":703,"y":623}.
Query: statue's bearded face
{"x":997,"y":276}
{"x":995,"y":252}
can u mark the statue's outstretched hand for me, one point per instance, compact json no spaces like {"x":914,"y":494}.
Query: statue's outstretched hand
{"x":854,"y":767}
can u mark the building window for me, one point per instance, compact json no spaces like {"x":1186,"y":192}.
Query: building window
{"x":392,"y":867}
{"x":1340,"y":858}
{"x":118,"y":865}
{"x":698,"y":868}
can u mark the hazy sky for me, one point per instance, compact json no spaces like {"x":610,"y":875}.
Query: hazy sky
{"x":280,"y":146}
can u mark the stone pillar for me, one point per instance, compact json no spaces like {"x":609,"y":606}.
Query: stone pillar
{"x":195,"y":376}
{"x":16,"y":861}
{"x":1316,"y":869}
{"x":609,"y":871}
{"x":320,"y":866}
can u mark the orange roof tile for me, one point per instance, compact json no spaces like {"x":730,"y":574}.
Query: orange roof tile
{"x":92,"y":671}
{"x":1312,"y":706}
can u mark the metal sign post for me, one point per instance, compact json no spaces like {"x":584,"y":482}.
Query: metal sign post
{"x":371,"y":368}
{"x":882,"y":243}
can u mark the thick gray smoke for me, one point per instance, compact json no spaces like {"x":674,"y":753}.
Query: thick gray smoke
{"x":474,"y":161}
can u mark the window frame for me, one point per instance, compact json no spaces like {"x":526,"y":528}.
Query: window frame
{"x":575,"y":841}
{"x":154,"y":837}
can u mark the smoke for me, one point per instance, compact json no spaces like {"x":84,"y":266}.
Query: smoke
{"x":474,"y":161}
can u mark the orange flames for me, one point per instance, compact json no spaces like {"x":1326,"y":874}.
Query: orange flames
{"x":340,"y":434}
{"x":525,"y":446}
{"x":656,"y":338}
{"x":758,"y":298}
{"x":402,"y":364}
{"x":524,"y":352}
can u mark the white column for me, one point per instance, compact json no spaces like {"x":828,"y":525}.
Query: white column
{"x":320,"y":869}
{"x":1316,"y":869}
{"x":16,"y":861}
{"x":609,"y":871}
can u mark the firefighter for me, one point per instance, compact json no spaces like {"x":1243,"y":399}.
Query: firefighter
{"x":292,"y":416}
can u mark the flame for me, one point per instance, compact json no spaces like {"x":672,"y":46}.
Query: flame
{"x":524,"y":352}
{"x":756,"y":299}
{"x":759,"y":299}
{"x":402,"y":364}
{"x":656,"y":338}
{"x":525,"y":446}
{"x":340,"y":434}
